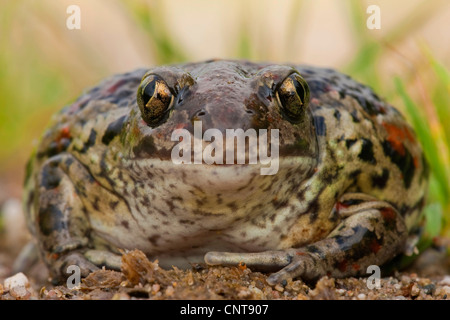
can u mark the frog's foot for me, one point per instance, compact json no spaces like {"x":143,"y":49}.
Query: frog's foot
{"x":292,"y":262}
{"x":371,"y":233}
{"x":74,"y":258}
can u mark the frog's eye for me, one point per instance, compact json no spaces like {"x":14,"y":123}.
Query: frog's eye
{"x":154,"y":98}
{"x":293,"y":96}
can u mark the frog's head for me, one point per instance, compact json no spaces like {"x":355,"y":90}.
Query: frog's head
{"x":180,"y":101}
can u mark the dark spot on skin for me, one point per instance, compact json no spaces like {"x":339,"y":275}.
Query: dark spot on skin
{"x":313,"y":210}
{"x":279,"y":203}
{"x":404,"y":162}
{"x":50,"y":176}
{"x":350,"y":142}
{"x":177,"y":198}
{"x":125,"y":224}
{"x":145,"y":201}
{"x":114,"y":128}
{"x":341,"y":265}
{"x":337,"y":114}
{"x":380,"y":181}
{"x":183,"y":221}
{"x":404,"y":209}
{"x":347,"y":242}
{"x":170,"y":205}
{"x":54,"y":148}
{"x":351,"y":202}
{"x":388,"y":214}
{"x":355,"y":246}
{"x":354,"y":115}
{"x":374,"y":245}
{"x":68,"y":161}
{"x":355,"y":174}
{"x":367,"y":105}
{"x":233,"y":206}
{"x":366,"y":153}
{"x":95,"y":204}
{"x":272,"y":217}
{"x":91,"y":140}
{"x":200,"y":201}
{"x":154,"y":239}
{"x":318,"y":87}
{"x":320,"y":125}
{"x":89,"y":143}
{"x":301,"y":196}
{"x":51,"y":219}
{"x":329,"y":176}
{"x":313,"y":249}
{"x":145,"y":148}
{"x":113,"y":204}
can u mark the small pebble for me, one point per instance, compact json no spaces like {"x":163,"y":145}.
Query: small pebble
{"x":170,"y":291}
{"x":156,"y":287}
{"x":446,"y":290}
{"x":17,"y":280}
{"x":340,"y":291}
{"x":405,"y":279}
{"x":445,"y":281}
{"x":429,"y":289}
{"x":279,"y":288}
{"x":121,"y":296}
{"x":361,"y":296}
{"x":415,"y":290}
{"x":20,"y":293}
{"x":244,"y":293}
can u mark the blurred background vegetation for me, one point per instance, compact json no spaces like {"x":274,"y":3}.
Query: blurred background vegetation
{"x":44,"y":66}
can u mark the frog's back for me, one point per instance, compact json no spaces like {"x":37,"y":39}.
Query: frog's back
{"x":369,"y":140}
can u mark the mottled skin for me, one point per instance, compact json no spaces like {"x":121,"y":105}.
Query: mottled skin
{"x":348,"y":192}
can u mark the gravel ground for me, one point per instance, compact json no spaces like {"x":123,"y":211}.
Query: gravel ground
{"x":142,"y":279}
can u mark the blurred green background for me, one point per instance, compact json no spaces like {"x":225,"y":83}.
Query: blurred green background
{"x":44,"y":65}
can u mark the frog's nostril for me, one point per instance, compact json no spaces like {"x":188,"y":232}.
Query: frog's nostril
{"x":250,"y":111}
{"x":201,"y":113}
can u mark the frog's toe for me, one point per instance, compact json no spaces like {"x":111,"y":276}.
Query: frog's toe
{"x":267,"y":260}
{"x":301,"y":265}
{"x":74,"y":259}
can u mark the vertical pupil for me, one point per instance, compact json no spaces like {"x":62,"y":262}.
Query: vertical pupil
{"x":299,"y":89}
{"x":149,"y":91}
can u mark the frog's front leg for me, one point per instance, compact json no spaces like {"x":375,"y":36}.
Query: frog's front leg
{"x":62,"y":226}
{"x":371,"y":233}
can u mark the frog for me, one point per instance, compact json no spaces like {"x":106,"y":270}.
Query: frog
{"x":348,"y":192}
